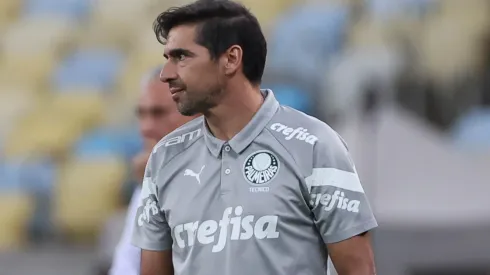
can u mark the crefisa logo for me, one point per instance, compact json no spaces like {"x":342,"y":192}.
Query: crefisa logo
{"x":259,"y":169}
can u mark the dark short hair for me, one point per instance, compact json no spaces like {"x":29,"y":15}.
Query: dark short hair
{"x":220,"y":25}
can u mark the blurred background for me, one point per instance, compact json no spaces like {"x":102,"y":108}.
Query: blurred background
{"x":406,"y":82}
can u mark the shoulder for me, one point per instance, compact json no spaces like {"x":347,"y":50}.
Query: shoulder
{"x":300,"y":130}
{"x":181,"y":137}
{"x":177,"y":142}
{"x":306,"y":138}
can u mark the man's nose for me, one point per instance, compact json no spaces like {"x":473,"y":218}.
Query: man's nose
{"x":168,"y":72}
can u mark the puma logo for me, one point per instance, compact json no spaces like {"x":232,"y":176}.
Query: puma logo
{"x":189,"y":172}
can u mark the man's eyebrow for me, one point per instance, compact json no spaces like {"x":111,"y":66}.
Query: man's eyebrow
{"x":177,"y":52}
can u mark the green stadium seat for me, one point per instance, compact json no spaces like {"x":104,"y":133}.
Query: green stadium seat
{"x":82,"y":107}
{"x":109,"y":20}
{"x":368,"y":33}
{"x":14,"y":102}
{"x":456,"y":37}
{"x":146,"y":55}
{"x":44,"y":131}
{"x":86,"y":195}
{"x":15,"y":212}
{"x":267,"y":11}
{"x":34,"y":62}
{"x":8,"y":12}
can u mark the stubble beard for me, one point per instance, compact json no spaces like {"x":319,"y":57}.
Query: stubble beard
{"x":192,"y":107}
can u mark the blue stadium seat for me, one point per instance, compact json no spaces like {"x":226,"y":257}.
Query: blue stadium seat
{"x":388,"y":9}
{"x":472,"y":130}
{"x":132,"y":142}
{"x":108,"y":142}
{"x":10,"y":179}
{"x":35,"y":176}
{"x":76,"y":9}
{"x":293,"y":97}
{"x":303,"y":36}
{"x":90,"y":69}
{"x":40,"y":175}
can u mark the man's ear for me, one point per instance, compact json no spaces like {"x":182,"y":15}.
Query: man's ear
{"x":233,"y":59}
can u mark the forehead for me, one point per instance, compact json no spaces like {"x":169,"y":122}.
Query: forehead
{"x":181,"y":37}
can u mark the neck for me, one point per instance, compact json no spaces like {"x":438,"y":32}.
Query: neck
{"x":237,"y":107}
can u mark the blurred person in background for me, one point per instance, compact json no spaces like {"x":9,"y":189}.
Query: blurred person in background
{"x":252,"y":187}
{"x":158,"y":116}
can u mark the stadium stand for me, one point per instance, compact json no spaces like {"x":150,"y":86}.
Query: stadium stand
{"x":15,"y":210}
{"x":92,"y":69}
{"x":85,"y":107}
{"x":8,"y":11}
{"x":319,"y":30}
{"x":268,"y":11}
{"x":32,"y":64}
{"x":105,"y":141}
{"x":70,"y":72}
{"x":71,"y":10}
{"x":140,"y":58}
{"x":14,"y":101}
{"x":293,"y":97}
{"x":472,"y":130}
{"x":85,"y":195}
{"x":111,"y":16}
{"x":455,"y":36}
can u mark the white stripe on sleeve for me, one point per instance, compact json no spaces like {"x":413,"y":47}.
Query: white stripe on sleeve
{"x":334,"y":177}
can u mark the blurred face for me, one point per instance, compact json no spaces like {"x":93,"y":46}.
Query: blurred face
{"x":157,"y":113}
{"x":194,"y":79}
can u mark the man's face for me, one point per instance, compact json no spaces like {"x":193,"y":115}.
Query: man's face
{"x":157,"y":113}
{"x":195,"y":80}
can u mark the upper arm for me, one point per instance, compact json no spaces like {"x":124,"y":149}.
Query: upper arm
{"x":151,"y":230}
{"x":156,"y":262}
{"x":340,"y":207}
{"x":336,"y":197}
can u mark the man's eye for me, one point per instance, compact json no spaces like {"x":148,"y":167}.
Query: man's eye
{"x":182,"y":57}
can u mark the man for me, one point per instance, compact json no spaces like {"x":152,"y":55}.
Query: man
{"x":157,"y":116}
{"x":252,"y":187}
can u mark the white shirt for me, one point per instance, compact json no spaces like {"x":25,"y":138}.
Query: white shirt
{"x":127,"y":257}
